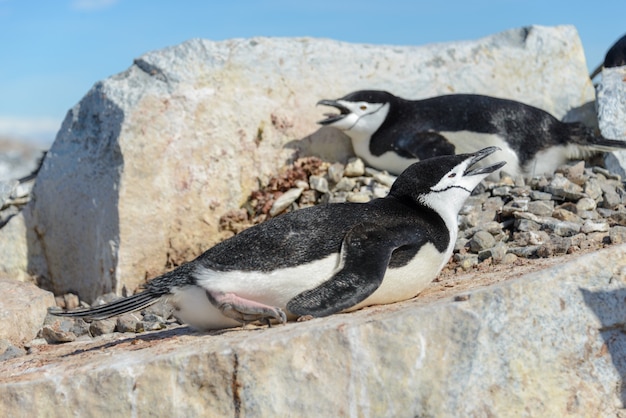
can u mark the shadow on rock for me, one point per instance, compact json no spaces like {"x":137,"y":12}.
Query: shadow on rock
{"x":328,"y":144}
{"x":73,"y":215}
{"x":610,"y":309}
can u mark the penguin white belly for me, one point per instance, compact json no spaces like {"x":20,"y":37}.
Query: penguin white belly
{"x":274,"y":288}
{"x":405,"y":282}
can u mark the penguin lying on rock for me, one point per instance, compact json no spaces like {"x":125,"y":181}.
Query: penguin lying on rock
{"x":323,"y":259}
{"x":391,"y":133}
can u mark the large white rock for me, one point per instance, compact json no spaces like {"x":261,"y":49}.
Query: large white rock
{"x":611,"y":106}
{"x":23,"y":307}
{"x":546,"y":344}
{"x":147,"y":162}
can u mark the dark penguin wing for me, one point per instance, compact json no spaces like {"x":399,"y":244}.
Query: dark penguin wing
{"x":365,"y":255}
{"x":423,"y":145}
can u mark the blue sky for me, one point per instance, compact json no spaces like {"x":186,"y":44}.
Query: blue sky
{"x":52,"y":52}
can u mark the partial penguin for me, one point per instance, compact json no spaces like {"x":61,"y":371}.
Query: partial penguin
{"x":323,"y":259}
{"x":391,"y":133}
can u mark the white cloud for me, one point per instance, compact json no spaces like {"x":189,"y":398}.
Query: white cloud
{"x":92,"y":5}
{"x":41,"y":130}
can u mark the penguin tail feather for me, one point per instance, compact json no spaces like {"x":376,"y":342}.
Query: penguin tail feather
{"x":120,"y":306}
{"x":585,"y":137}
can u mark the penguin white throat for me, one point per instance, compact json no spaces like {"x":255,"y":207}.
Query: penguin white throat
{"x":448,"y":196}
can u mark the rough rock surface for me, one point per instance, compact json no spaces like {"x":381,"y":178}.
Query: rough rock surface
{"x":547,"y":343}
{"x":23,"y":307}
{"x":611,"y":104}
{"x":147,"y":162}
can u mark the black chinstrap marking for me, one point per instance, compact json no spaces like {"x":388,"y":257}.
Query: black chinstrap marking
{"x":452,"y":187}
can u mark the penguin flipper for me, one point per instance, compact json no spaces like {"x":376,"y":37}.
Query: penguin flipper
{"x":365,"y":254}
{"x":424,"y":145}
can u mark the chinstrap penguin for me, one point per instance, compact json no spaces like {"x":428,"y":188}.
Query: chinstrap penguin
{"x":391,"y":133}
{"x":323,"y":259}
{"x":615,"y":57}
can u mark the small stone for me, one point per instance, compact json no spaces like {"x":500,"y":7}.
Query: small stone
{"x":55,"y":336}
{"x":567,"y":216}
{"x":466,"y":261}
{"x":318,"y":183}
{"x":481,"y":240}
{"x":562,"y":228}
{"x":105,"y":326}
{"x":71,"y":301}
{"x":527,"y":225}
{"x":525,"y":252}
{"x":127,"y":323}
{"x":509,"y":258}
{"x":537,"y":195}
{"x":385,"y":179}
{"x":285,"y":200}
{"x":496,"y":253}
{"x":545,"y":251}
{"x":617,"y":234}
{"x":161,"y":309}
{"x":460,"y":244}
{"x":562,"y":188}
{"x":380,"y":191}
{"x":586,"y":204}
{"x":515,"y":205}
{"x":593,"y":190}
{"x":345,"y":184}
{"x":301,"y":184}
{"x":541,"y":207}
{"x":308,"y":198}
{"x":335,"y":172}
{"x":501,"y":191}
{"x":590,"y":226}
{"x":359,"y":197}
{"x":611,"y":199}
{"x":80,"y":327}
{"x":574,"y":173}
{"x":493,"y":204}
{"x":354,"y":168}
{"x":338,"y":197}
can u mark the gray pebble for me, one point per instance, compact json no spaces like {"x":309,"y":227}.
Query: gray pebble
{"x":285,"y":200}
{"x":539,"y":195}
{"x":359,"y":197}
{"x":345,"y":185}
{"x":481,"y":241}
{"x":8,"y":351}
{"x":617,"y":234}
{"x":129,"y":322}
{"x":318,"y":183}
{"x":55,"y":336}
{"x":335,"y":172}
{"x":105,"y":326}
{"x":354,"y":168}
{"x":541,"y":207}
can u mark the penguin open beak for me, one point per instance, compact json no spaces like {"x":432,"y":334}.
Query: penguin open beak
{"x":333,"y":117}
{"x":480,"y":155}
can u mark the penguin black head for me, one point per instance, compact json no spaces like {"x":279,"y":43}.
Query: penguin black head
{"x":444,"y":183}
{"x":361,"y":111}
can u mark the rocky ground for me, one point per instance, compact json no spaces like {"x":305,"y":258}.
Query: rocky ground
{"x":503,"y":224}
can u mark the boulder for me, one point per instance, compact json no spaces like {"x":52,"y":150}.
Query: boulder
{"x":143,"y":167}
{"x":23,"y":307}
{"x":546,"y":344}
{"x":611,"y":106}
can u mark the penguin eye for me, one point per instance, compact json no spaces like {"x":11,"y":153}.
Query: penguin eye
{"x":363,"y":107}
{"x":451,"y":175}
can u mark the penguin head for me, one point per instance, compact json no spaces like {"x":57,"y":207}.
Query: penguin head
{"x":444,"y":183}
{"x":360,"y":113}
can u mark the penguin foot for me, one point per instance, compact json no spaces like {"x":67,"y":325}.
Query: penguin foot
{"x":244,"y":310}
